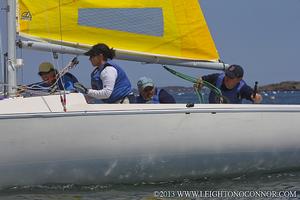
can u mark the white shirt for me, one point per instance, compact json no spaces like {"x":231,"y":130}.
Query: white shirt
{"x":108,"y":76}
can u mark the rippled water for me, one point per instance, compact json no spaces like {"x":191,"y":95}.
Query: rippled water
{"x":270,"y":97}
{"x":279,"y":181}
{"x":286,"y":180}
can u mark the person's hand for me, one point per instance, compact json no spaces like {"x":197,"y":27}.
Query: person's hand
{"x":199,"y":84}
{"x":20,"y":90}
{"x":80,"y":88}
{"x":257,"y":98}
{"x":53,"y":89}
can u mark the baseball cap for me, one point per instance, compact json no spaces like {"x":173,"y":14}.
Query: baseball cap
{"x":97,"y":49}
{"x":45,"y":67}
{"x":144,"y":82}
{"x":234,"y":71}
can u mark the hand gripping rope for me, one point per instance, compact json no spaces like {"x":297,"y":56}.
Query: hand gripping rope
{"x":198,"y":84}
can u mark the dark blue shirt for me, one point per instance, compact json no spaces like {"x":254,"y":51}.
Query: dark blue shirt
{"x":65,"y":83}
{"x":163,"y":97}
{"x":245,"y":92}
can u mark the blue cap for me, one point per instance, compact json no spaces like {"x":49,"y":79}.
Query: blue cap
{"x":144,"y":82}
{"x":234,"y":71}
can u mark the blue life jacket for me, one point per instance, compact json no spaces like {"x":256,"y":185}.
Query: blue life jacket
{"x":232,"y":95}
{"x":153,"y":100}
{"x":122,"y":86}
{"x":68,"y":80}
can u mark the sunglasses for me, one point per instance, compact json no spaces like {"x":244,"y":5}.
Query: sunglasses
{"x":45,"y":73}
{"x":148,"y":89}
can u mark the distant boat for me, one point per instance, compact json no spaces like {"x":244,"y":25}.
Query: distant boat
{"x":109,"y":143}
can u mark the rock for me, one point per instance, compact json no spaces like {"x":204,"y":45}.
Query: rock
{"x":283,"y":86}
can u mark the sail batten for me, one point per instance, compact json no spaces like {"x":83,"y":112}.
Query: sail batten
{"x":168,"y":28}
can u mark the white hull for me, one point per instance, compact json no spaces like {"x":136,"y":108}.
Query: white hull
{"x":100,"y":143}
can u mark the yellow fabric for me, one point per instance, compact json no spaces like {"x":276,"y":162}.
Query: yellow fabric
{"x":186,"y":34}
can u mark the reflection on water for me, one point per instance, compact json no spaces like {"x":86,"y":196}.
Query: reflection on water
{"x":270,"y":97}
{"x":274,"y":181}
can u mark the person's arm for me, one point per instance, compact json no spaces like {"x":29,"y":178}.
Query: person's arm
{"x":165,"y":97}
{"x":108,"y":77}
{"x":211,"y":78}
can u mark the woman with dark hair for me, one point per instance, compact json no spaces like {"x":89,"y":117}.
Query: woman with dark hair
{"x":109,"y":81}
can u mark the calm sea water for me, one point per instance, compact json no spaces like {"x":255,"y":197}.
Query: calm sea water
{"x":276,"y":181}
{"x":270,"y":97}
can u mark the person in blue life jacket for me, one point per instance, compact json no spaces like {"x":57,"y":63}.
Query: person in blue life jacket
{"x":109,"y":81}
{"x":51,"y":81}
{"x":232,"y":86}
{"x":148,"y":93}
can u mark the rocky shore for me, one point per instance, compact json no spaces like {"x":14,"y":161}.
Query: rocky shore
{"x":283,"y":86}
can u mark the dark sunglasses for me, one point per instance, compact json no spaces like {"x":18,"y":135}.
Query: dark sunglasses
{"x":45,"y":73}
{"x":148,"y":89}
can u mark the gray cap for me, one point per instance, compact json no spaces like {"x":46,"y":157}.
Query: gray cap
{"x":144,"y":82}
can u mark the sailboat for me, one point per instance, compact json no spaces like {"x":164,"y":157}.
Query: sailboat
{"x":41,"y":142}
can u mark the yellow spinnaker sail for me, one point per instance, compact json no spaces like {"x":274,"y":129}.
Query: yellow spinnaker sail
{"x":170,"y":28}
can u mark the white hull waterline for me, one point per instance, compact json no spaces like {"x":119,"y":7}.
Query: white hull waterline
{"x":99,"y":144}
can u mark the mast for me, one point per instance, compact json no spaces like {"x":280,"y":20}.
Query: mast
{"x":1,"y":65}
{"x":11,"y":47}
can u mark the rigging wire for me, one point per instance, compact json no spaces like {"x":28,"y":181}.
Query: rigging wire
{"x":2,"y":54}
{"x":63,"y":97}
{"x":32,"y":88}
{"x":1,"y":62}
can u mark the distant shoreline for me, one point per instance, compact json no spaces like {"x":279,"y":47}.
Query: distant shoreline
{"x":282,"y":86}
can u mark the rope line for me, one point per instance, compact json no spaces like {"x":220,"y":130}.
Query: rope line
{"x":196,"y":82}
